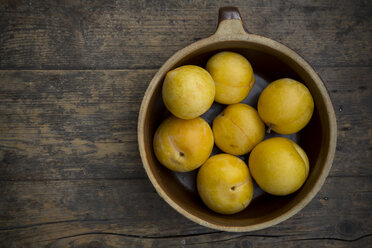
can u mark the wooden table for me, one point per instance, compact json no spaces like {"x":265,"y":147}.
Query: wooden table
{"x":72,"y":77}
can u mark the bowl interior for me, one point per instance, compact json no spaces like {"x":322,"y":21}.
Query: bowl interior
{"x":268,"y":65}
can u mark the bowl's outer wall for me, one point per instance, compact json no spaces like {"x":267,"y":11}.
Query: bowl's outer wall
{"x":270,"y":61}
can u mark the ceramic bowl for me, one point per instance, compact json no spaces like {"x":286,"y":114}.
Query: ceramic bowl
{"x":270,"y":61}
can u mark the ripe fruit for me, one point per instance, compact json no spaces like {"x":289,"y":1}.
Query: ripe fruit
{"x":279,"y":166}
{"x":183,"y":145}
{"x":224,"y":184}
{"x":233,"y":75}
{"x":238,"y":129}
{"x":286,"y":106}
{"x":188,"y":91}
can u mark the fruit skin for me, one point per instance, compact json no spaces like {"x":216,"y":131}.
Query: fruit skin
{"x":233,"y":75}
{"x":237,"y":129}
{"x":286,"y":106}
{"x":188,"y":91}
{"x":183,"y":145}
{"x":279,"y":166}
{"x":224,"y":184}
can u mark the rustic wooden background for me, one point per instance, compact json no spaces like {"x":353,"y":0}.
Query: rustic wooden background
{"x":72,"y":77}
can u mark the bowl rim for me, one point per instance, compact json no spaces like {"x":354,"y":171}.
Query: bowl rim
{"x":239,"y":35}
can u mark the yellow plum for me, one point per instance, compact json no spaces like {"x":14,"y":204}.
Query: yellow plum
{"x":237,"y":129}
{"x":224,"y":184}
{"x":286,"y":106}
{"x":188,"y":91}
{"x":279,"y":166}
{"x":183,"y":145}
{"x":233,"y":76}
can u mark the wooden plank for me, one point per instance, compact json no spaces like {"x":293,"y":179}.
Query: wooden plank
{"x":143,"y":34}
{"x":74,"y":124}
{"x":351,"y":92}
{"x":70,"y":173}
{"x":215,"y":240}
{"x":128,"y":212}
{"x":82,"y":124}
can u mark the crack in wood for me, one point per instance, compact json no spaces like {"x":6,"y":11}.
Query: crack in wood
{"x":281,"y":236}
{"x":9,"y":228}
{"x":241,"y":236}
{"x":336,"y":239}
{"x":73,"y":179}
{"x":130,"y":178}
{"x":135,"y":236}
{"x":154,"y":68}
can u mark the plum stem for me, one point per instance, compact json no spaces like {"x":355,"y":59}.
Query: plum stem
{"x":234,"y":187}
{"x":270,"y":128}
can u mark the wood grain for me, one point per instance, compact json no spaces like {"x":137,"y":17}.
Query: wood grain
{"x":143,"y":34}
{"x":74,"y":124}
{"x":216,"y":240}
{"x":85,"y":211}
{"x":82,"y":124}
{"x":72,"y":76}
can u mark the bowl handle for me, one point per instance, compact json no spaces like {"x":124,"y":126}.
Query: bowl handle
{"x":230,"y":22}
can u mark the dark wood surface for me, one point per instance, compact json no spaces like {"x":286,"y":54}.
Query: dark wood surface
{"x":72,"y":77}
